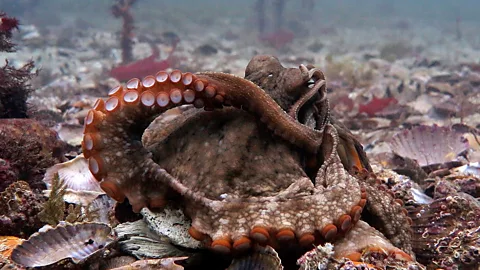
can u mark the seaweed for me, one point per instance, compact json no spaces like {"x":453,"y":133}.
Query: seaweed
{"x":56,"y":210}
{"x":14,"y":83}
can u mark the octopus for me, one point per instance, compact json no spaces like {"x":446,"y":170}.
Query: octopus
{"x":254,"y":160}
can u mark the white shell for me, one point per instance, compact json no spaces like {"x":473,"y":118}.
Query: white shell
{"x":77,"y":242}
{"x":429,"y":145}
{"x":81,"y":187}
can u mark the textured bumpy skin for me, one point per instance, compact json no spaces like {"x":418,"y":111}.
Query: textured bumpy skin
{"x":295,"y":208}
{"x":240,"y":180}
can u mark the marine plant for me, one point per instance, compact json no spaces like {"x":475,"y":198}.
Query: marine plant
{"x":55,"y":209}
{"x":14,"y":83}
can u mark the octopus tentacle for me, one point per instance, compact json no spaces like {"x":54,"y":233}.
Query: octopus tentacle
{"x":240,"y":92}
{"x":113,"y":128}
{"x":293,"y":112}
{"x":305,"y":212}
{"x":390,"y":216}
{"x":364,"y":239}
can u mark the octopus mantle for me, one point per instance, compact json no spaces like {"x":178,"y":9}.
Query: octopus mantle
{"x":248,"y":174}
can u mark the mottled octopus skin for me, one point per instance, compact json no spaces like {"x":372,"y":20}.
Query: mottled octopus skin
{"x":301,"y":210}
{"x":293,"y":89}
{"x":233,"y":197}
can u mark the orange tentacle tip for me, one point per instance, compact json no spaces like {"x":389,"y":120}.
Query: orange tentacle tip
{"x":116,"y":91}
{"x":362,"y":203}
{"x":285,"y":235}
{"x":93,"y":118}
{"x":99,"y":105}
{"x":134,"y":84}
{"x":329,"y":232}
{"x":306,"y":240}
{"x":260,"y":234}
{"x":92,"y":141}
{"x":242,"y":244}
{"x":112,"y":190}
{"x":195,"y":234}
{"x":356,"y":213}
{"x":345,"y":222}
{"x":222,"y":246}
{"x":96,"y":165}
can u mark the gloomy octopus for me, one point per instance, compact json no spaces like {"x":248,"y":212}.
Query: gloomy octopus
{"x":264,"y":162}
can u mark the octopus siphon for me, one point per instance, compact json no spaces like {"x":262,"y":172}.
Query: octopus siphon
{"x":254,"y":160}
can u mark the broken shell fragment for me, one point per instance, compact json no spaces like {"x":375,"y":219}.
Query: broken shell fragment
{"x":160,"y":264}
{"x":7,"y":244}
{"x":77,"y":242}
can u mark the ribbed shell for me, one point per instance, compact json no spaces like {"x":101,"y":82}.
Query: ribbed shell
{"x":429,"y":144}
{"x":263,"y":258}
{"x":77,"y":242}
{"x":74,"y":174}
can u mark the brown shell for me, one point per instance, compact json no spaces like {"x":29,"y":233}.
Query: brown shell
{"x":77,"y":242}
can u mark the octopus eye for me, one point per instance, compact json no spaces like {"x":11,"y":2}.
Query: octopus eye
{"x":270,"y":75}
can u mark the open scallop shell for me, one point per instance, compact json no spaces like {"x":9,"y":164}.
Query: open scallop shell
{"x":77,"y":242}
{"x":81,"y":186}
{"x":429,"y":145}
{"x":74,"y":174}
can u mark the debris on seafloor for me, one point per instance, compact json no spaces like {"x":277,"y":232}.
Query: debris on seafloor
{"x":19,"y":210}
{"x":138,"y":240}
{"x":54,"y":244}
{"x":446,"y":231}
{"x":154,"y":264}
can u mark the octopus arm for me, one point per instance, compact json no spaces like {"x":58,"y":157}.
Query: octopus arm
{"x":391,"y":218}
{"x":305,"y":212}
{"x":113,"y":128}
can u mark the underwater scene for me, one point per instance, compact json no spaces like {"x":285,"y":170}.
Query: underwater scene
{"x":239,"y":135}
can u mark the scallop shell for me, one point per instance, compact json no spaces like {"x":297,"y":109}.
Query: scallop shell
{"x":262,"y":258}
{"x":74,"y":174}
{"x":81,"y":186}
{"x":77,"y":242}
{"x":429,"y":145}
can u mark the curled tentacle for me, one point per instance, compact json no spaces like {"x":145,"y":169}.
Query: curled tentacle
{"x":113,"y":128}
{"x":303,"y":212}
